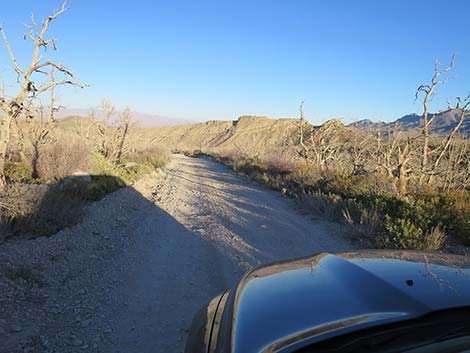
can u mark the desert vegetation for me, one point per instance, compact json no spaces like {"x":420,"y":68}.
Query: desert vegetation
{"x":370,"y":203}
{"x":397,"y":188}
{"x":50,"y":169}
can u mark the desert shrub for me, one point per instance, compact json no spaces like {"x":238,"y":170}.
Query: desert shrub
{"x":101,"y":166}
{"x":351,"y":186}
{"x":305,"y":173}
{"x":461,"y":227}
{"x":251,"y":166}
{"x":131,"y":174}
{"x":28,"y":210}
{"x":37,"y":210}
{"x":61,"y":159}
{"x":435,"y":239}
{"x":279,"y":164}
{"x":19,"y":171}
{"x":449,"y":211}
{"x":56,"y":210}
{"x":154,"y":156}
{"x":326,"y":205}
{"x":369,"y":202}
{"x":404,"y":234}
{"x":457,"y":214}
{"x":15,"y":200}
{"x":101,"y":185}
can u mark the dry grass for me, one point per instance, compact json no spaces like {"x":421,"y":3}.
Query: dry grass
{"x":62,"y":159}
{"x":280,"y":164}
{"x":324,"y":205}
{"x":435,"y":239}
{"x":37,"y":210}
{"x":156,"y":156}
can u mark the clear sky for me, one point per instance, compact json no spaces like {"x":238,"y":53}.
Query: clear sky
{"x":220,"y":59}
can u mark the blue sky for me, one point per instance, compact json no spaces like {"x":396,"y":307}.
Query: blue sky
{"x":220,"y":59}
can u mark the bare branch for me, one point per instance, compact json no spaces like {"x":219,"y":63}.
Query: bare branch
{"x":17,"y":68}
{"x":446,"y":70}
{"x":47,"y":86}
{"x":59,"y":67}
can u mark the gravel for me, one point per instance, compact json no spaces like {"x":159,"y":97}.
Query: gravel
{"x":130,"y":277}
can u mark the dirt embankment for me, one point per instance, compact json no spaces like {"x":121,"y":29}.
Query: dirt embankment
{"x":130,"y":277}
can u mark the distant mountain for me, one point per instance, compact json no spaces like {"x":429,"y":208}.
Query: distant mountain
{"x":250,"y":135}
{"x":147,"y":120}
{"x":443,"y":123}
{"x":363,"y":124}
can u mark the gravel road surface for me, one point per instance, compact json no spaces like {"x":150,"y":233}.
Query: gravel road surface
{"x":130,"y":277}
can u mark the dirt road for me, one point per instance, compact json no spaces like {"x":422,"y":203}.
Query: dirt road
{"x":146,"y":259}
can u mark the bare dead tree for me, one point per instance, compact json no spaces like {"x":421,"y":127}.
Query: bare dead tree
{"x":429,"y":91}
{"x":318,"y":145}
{"x":325,"y":144}
{"x":393,"y":155}
{"x":113,"y":129}
{"x":304,"y":150}
{"x":357,"y":147}
{"x":461,"y":107}
{"x":103,"y":125}
{"x":458,"y":165}
{"x":122,"y":129}
{"x":41,"y":129}
{"x":386,"y":150}
{"x":402,"y":170}
{"x":29,"y":86}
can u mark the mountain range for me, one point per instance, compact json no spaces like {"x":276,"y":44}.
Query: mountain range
{"x":443,"y":123}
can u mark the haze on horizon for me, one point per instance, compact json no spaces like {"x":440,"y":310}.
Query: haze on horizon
{"x":222,"y":59}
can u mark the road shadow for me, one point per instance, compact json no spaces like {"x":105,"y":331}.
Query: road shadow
{"x":121,"y":274}
{"x":36,"y":210}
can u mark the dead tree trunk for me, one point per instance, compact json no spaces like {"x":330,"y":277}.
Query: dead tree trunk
{"x":462,"y":106}
{"x":5,"y":132}
{"x":304,"y":150}
{"x":402,"y":169}
{"x":42,"y":131}
{"x":429,"y":91}
{"x":26,"y":83}
{"x":123,"y":129}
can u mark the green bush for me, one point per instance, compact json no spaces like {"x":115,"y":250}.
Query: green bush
{"x":404,"y":234}
{"x":101,"y":166}
{"x":461,"y":227}
{"x":101,"y":185}
{"x":131,"y":174}
{"x":19,"y":171}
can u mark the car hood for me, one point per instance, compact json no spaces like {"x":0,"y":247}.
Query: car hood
{"x":318,"y":297}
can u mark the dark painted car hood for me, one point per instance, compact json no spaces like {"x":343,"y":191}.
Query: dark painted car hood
{"x":277,"y":306}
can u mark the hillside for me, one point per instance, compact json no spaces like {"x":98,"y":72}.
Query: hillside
{"x":250,"y":135}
